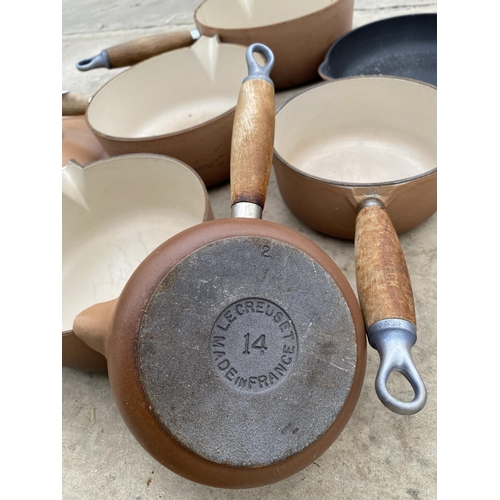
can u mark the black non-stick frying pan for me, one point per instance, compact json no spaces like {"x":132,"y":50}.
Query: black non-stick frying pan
{"x":404,"y":46}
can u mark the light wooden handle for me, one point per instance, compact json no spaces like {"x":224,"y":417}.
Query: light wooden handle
{"x":252,"y":143}
{"x":383,"y":282}
{"x":130,"y":53}
{"x":74,"y":104}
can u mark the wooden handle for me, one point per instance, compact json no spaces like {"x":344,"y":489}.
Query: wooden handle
{"x":74,"y":104}
{"x":93,"y":325}
{"x":129,"y":53}
{"x":383,"y":282}
{"x":252,"y":142}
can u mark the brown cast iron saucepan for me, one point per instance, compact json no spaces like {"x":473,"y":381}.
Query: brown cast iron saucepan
{"x":116,"y":211}
{"x":299,"y":33}
{"x":356,"y":158}
{"x":236,"y":351}
{"x":180,"y":104}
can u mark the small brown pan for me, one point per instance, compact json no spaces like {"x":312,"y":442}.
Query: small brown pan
{"x":115,"y":212}
{"x":179,"y":104}
{"x":298,"y":32}
{"x":236,"y":351}
{"x":356,"y":158}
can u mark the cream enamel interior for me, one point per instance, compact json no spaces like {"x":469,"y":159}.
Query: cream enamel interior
{"x":241,"y":14}
{"x":171,"y":92}
{"x":360,"y":130}
{"x":115,"y":212}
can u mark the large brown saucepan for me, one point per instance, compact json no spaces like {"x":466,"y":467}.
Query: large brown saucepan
{"x":298,"y":32}
{"x":179,"y":104}
{"x":236,"y":351}
{"x":115,"y":212}
{"x":356,"y":158}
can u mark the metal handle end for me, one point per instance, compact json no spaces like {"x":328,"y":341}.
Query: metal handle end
{"x":393,"y":339}
{"x":99,"y":61}
{"x":255,"y":70}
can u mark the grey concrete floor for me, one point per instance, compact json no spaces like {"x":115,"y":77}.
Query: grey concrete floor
{"x":379,"y":455}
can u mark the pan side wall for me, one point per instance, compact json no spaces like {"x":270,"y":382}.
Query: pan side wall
{"x":299,"y":45}
{"x":331,"y":209}
{"x":206,"y":149}
{"x":78,"y":355}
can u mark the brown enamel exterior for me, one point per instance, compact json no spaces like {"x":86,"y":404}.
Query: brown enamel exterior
{"x":331,"y":208}
{"x":299,"y":45}
{"x":206,"y":148}
{"x":123,"y":368}
{"x":78,"y":355}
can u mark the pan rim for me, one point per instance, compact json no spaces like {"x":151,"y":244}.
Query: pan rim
{"x":352,"y":184}
{"x":139,"y":65}
{"x":262,"y":26}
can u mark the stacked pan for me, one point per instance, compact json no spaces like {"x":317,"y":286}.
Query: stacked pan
{"x":191,"y":315}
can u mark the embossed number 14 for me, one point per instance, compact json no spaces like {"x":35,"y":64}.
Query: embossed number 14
{"x":260,"y":343}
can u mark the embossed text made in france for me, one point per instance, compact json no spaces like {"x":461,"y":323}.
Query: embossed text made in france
{"x":253,"y":345}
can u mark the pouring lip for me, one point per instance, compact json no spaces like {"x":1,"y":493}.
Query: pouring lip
{"x":352,"y":184}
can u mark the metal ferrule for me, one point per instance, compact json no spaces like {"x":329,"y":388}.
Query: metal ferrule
{"x":255,"y":70}
{"x":371,"y":202}
{"x":195,"y":34}
{"x":246,"y":210}
{"x":393,"y":339}
{"x":377,"y":333}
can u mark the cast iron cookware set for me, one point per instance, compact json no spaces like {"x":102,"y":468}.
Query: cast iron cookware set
{"x":203,"y":324}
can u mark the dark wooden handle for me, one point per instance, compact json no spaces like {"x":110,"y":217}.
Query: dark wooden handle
{"x":383,"y":282}
{"x":252,"y":142}
{"x":74,"y":104}
{"x":129,"y":53}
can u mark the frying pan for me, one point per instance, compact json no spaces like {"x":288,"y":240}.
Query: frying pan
{"x":179,"y":104}
{"x":115,"y":211}
{"x":404,"y":46}
{"x":236,"y":351}
{"x":351,"y":156}
{"x":299,"y":33}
